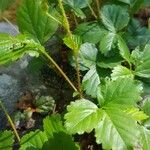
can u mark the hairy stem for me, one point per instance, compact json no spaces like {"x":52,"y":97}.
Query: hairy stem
{"x":67,"y":27}
{"x":59,"y":69}
{"x":98,"y":7}
{"x":10,"y":121}
{"x":92,"y":11}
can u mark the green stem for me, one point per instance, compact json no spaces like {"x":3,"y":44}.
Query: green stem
{"x":98,"y":7}
{"x":10,"y":121}
{"x":67,"y":27}
{"x":59,"y":69}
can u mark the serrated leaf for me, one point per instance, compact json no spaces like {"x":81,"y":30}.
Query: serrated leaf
{"x":145,"y":142}
{"x":6,"y":140}
{"x":136,"y":114}
{"x":117,"y":130}
{"x":13,"y":48}
{"x":91,"y":32}
{"x":73,"y":42}
{"x":121,"y":72}
{"x":91,"y":81}
{"x":87,"y":56}
{"x":143,"y":68}
{"x":35,"y":22}
{"x":121,"y":91}
{"x":53,"y":124}
{"x":124,"y":50}
{"x":114,"y":17}
{"x":65,"y":142}
{"x":83,"y":116}
{"x":107,"y":42}
{"x":44,"y":104}
{"x":136,"y":34}
{"x":33,"y":140}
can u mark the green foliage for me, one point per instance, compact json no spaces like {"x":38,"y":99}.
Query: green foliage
{"x":6,"y":140}
{"x":48,"y":139}
{"x":4,"y":4}
{"x":13,"y":48}
{"x":35,"y":22}
{"x":112,"y":51}
{"x":115,"y":117}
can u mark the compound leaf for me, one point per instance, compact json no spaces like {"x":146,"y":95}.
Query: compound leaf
{"x":117,"y":130}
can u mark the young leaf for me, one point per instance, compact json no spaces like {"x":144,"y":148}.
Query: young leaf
{"x":53,"y":124}
{"x":121,"y":91}
{"x":117,"y":130}
{"x":145,"y":142}
{"x":35,"y":22}
{"x":65,"y":142}
{"x":143,"y":68}
{"x":91,"y":81}
{"x":83,"y":116}
{"x":6,"y":140}
{"x":33,"y":140}
{"x":114,"y":17}
{"x":121,"y":72}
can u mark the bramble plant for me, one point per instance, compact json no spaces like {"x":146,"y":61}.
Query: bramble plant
{"x":110,"y":48}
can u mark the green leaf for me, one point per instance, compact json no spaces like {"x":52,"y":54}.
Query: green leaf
{"x":114,"y":17}
{"x":77,"y":3}
{"x":136,"y":5}
{"x":124,"y":50}
{"x":53,"y":124}
{"x":91,"y":32}
{"x":146,"y":106}
{"x":60,"y":141}
{"x":73,"y":43}
{"x":136,"y":114}
{"x":121,"y":91}
{"x":136,"y":34}
{"x":13,"y":48}
{"x":117,"y":130}
{"x":4,"y":4}
{"x":91,"y":81}
{"x":125,"y":1}
{"x":143,"y":68}
{"x":107,"y":42}
{"x":87,"y":56}
{"x":44,"y":104}
{"x":83,"y":116}
{"x":6,"y":140}
{"x":121,"y":72}
{"x":35,"y":22}
{"x":33,"y":140}
{"x":145,"y":142}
